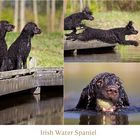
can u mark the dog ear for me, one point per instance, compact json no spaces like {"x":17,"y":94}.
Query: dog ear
{"x":123,"y":97}
{"x":86,"y":9}
{"x":130,"y":23}
{"x":26,"y":27}
{"x":87,"y":99}
{"x":88,"y":96}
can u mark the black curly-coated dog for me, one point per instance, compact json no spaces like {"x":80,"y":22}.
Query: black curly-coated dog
{"x":20,"y":49}
{"x":5,"y":27}
{"x":104,"y":93}
{"x":115,"y":35}
{"x":73,"y":21}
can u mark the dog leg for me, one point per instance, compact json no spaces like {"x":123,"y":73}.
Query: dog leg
{"x":72,"y":33}
{"x":25,"y":64}
{"x":130,"y":42}
{"x":19,"y":63}
{"x":82,"y":26}
{"x":4,"y":65}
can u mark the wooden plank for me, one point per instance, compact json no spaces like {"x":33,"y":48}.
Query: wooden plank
{"x":17,"y":84}
{"x":48,"y":77}
{"x":9,"y":74}
{"x":27,"y":79}
{"x":75,"y":45}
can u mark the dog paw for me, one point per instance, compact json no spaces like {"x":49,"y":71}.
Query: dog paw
{"x":67,"y":38}
{"x":67,"y":34}
{"x":136,"y":44}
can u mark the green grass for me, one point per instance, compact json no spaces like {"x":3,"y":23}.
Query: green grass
{"x":114,"y":19}
{"x":46,"y":48}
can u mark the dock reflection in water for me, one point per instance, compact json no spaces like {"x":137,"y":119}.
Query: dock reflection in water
{"x":28,"y":109}
{"x":88,"y":118}
{"x":104,"y":119}
{"x":119,"y":54}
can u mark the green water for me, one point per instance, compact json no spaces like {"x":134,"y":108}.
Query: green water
{"x":119,"y":54}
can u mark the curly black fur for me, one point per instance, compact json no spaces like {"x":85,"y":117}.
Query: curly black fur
{"x":20,"y":49}
{"x":105,"y":86}
{"x":5,"y":27}
{"x":115,"y":35}
{"x":73,"y":21}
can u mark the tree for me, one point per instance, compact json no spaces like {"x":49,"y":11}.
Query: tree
{"x":52,"y":15}
{"x":63,"y":12}
{"x":22,"y":14}
{"x":89,"y":3}
{"x":16,"y":10}
{"x":48,"y":10}
{"x":35,"y":11}
{"x":81,"y":5}
{"x":1,"y":1}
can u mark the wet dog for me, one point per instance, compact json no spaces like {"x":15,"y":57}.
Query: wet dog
{"x":5,"y":27}
{"x":104,"y":93}
{"x":20,"y":49}
{"x":115,"y":35}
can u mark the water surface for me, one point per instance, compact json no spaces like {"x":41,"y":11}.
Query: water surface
{"x":26,"y":108}
{"x":119,"y":54}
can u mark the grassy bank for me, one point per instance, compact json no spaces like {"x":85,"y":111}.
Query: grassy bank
{"x":114,"y":19}
{"x":46,"y":48}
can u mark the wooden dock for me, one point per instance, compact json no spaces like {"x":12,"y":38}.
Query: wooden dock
{"x":73,"y":46}
{"x":24,"y":79}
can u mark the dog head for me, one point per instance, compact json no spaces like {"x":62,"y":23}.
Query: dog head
{"x":32,"y":29}
{"x":130,"y":29}
{"x":109,"y":91}
{"x":87,"y":14}
{"x":5,"y":26}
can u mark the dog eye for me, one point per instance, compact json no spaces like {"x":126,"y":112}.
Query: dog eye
{"x":118,"y":84}
{"x":99,"y":83}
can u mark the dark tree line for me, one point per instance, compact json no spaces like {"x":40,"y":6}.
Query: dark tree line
{"x":108,"y":5}
{"x":123,"y":5}
{"x":49,"y":11}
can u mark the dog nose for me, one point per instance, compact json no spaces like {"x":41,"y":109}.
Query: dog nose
{"x":136,"y":32}
{"x":112,"y":91}
{"x":13,"y":26}
{"x":92,"y":18}
{"x":39,"y":31}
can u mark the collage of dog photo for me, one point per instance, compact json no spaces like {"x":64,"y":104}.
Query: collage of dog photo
{"x":69,"y":62}
{"x":102,"y":62}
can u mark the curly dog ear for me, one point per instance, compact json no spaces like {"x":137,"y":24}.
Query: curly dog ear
{"x":88,"y":97}
{"x":123,"y":97}
{"x":130,"y":23}
{"x":83,"y":101}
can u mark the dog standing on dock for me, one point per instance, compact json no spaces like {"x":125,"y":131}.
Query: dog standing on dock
{"x":20,"y":49}
{"x":5,"y":27}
